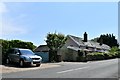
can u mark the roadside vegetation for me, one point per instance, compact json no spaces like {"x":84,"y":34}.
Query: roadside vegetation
{"x":108,"y":39}
{"x":113,"y":53}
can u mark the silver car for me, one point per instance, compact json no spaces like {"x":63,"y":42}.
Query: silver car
{"x":23,"y":57}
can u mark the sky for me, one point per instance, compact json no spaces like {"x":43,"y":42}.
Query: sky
{"x":31,"y":21}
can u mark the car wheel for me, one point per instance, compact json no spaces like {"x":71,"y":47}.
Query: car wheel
{"x":38,"y":65}
{"x":21,"y":63}
{"x":7,"y":61}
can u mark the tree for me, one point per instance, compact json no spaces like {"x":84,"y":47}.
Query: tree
{"x":55,"y":42}
{"x":108,"y":39}
{"x":95,"y":39}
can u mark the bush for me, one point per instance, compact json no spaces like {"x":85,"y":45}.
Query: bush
{"x":95,"y":56}
{"x":99,"y":56}
{"x":114,"y":49}
{"x":118,"y":53}
{"x":81,"y":59}
{"x":106,"y":56}
{"x":113,"y":53}
{"x":102,"y":56}
{"x":90,"y":56}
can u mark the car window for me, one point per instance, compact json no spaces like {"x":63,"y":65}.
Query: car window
{"x":11,"y":51}
{"x":26,"y":52}
{"x":16,"y":51}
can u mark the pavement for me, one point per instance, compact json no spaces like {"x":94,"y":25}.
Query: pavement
{"x":14,"y":68}
{"x":92,"y":69}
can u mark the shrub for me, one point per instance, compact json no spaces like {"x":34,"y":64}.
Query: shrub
{"x":119,"y":54}
{"x":81,"y":59}
{"x":106,"y":56}
{"x":102,"y":56}
{"x":114,"y":53}
{"x":90,"y":56}
{"x":114,"y":49}
{"x":95,"y":56}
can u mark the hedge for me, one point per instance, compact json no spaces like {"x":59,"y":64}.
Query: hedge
{"x":81,"y":59}
{"x":102,"y":56}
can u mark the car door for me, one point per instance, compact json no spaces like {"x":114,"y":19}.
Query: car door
{"x":11,"y":55}
{"x":16,"y":56}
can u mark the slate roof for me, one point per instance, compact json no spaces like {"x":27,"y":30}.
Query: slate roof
{"x":77,"y":40}
{"x":104,"y":46}
{"x":42,"y":48}
{"x":74,"y":48}
{"x":89,"y":43}
{"x":95,"y":44}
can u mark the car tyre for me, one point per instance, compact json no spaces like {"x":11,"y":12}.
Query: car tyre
{"x":21,"y":63}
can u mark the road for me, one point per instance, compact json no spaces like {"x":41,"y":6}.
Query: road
{"x":93,"y":69}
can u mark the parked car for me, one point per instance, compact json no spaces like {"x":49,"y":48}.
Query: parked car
{"x":23,"y":57}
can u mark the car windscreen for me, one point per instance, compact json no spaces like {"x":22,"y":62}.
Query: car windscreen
{"x":26,"y":52}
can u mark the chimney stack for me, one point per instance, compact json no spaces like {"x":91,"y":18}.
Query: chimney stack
{"x":85,"y":37}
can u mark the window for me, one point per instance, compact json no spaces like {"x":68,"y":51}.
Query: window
{"x":11,"y":51}
{"x":16,"y":51}
{"x":26,"y":52}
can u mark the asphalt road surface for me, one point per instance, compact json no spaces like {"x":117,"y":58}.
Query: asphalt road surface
{"x":95,"y":69}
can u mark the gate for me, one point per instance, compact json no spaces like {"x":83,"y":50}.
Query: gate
{"x":44,"y":55}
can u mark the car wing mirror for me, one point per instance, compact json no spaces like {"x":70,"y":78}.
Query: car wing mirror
{"x":18,"y":53}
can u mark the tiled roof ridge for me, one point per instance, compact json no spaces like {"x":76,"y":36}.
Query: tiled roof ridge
{"x":74,"y":40}
{"x":75,"y":36}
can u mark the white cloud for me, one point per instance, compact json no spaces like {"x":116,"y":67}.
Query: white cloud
{"x":8,"y":27}
{"x":12,"y":29}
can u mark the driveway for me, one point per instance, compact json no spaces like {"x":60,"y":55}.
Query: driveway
{"x":14,"y":68}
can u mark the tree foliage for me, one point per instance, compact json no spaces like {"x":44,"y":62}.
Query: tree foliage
{"x":55,"y":42}
{"x":95,"y":39}
{"x":108,"y":39}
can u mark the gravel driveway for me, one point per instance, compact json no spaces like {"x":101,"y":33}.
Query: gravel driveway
{"x":14,"y":68}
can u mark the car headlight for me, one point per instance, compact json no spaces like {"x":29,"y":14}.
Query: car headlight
{"x":40,"y":59}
